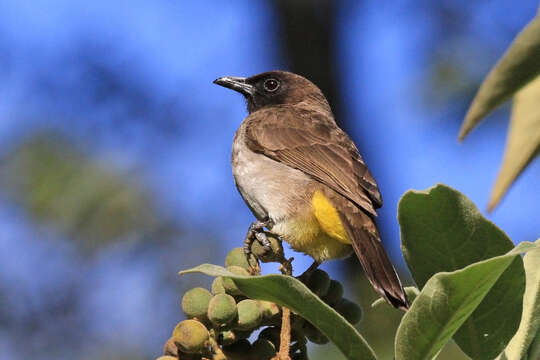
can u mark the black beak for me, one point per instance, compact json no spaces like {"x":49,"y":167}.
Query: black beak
{"x":237,"y":84}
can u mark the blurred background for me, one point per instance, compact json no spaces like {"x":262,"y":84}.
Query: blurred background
{"x":115,"y":147}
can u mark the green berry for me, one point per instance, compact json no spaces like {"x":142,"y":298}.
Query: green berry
{"x":238,"y":270}
{"x":350,"y":311}
{"x":314,"y":335}
{"x":269,"y":309}
{"x":275,"y":254}
{"x":195,"y":303}
{"x":190,"y":336}
{"x":237,"y":257}
{"x":217,"y":286}
{"x":240,"y":350}
{"x":334,"y":293}
{"x":222,"y":309}
{"x":319,"y":282}
{"x":263,"y":349}
{"x":249,"y":315}
{"x":228,"y":283}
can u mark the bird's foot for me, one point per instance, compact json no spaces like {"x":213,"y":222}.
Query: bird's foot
{"x":256,"y":232}
{"x":286,"y":266}
{"x":263,"y":240}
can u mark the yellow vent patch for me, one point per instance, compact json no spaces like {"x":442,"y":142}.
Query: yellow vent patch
{"x":328,"y":217}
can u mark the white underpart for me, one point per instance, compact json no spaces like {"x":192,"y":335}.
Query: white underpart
{"x":261,"y":182}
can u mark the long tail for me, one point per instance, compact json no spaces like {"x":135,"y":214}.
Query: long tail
{"x":366,"y":241}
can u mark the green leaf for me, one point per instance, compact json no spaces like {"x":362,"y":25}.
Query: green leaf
{"x":445,"y":303}
{"x":523,"y":142}
{"x":518,"y":66}
{"x":289,"y":292}
{"x":529,"y":328}
{"x":443,"y":231}
{"x":534,"y":350}
{"x":412,"y":293}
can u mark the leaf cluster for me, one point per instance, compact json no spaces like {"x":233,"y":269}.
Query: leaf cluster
{"x":475,"y":287}
{"x":516,"y":76}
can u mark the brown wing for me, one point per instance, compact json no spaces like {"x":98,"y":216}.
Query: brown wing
{"x":367,"y":245}
{"x":311,"y":141}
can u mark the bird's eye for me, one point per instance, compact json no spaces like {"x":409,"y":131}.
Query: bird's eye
{"x":271,"y":85}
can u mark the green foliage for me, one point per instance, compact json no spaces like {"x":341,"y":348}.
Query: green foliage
{"x":229,"y":285}
{"x":516,"y":74}
{"x":523,"y":141}
{"x":447,"y":300}
{"x":314,"y":335}
{"x":525,"y":344}
{"x":515,"y":69}
{"x":289,"y":292}
{"x":472,"y":282}
{"x":232,"y":317}
{"x":458,"y":235}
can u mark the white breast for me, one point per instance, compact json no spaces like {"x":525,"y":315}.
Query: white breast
{"x":270,"y":189}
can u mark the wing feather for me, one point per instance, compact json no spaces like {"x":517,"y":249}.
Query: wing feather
{"x":310,"y":141}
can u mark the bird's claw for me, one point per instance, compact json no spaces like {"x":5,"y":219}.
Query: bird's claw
{"x":263,"y":240}
{"x":256,"y":232}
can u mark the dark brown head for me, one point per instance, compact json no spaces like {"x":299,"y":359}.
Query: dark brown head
{"x":274,"y":88}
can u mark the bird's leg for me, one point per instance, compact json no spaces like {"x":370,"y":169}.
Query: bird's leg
{"x":256,"y":232}
{"x":263,"y":240}
{"x":310,"y":270}
{"x":286,"y":266}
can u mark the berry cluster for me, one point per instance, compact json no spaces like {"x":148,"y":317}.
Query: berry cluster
{"x":221,"y":322}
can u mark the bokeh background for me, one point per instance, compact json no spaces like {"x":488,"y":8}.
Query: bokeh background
{"x":115,"y":146}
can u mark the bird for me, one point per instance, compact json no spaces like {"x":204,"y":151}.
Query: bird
{"x":304,"y":180}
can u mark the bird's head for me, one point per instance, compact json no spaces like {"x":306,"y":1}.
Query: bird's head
{"x":273,"y":88}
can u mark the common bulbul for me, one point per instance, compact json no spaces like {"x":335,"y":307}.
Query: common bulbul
{"x":304,"y":179}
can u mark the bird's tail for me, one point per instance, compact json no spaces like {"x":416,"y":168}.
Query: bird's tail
{"x":366,"y":241}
